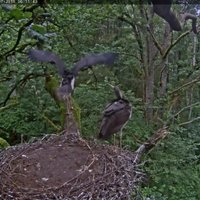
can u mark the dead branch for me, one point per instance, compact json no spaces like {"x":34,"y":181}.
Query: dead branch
{"x":151,"y":143}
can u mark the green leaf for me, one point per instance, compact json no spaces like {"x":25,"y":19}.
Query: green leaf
{"x":3,"y":143}
{"x":17,"y":14}
{"x":27,"y":14}
{"x":39,"y":28}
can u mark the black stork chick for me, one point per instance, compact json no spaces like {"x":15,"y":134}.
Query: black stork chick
{"x":115,"y":116}
{"x":69,"y":76}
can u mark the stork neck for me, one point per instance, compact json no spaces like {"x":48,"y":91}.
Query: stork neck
{"x":118,"y":93}
{"x":72,"y":83}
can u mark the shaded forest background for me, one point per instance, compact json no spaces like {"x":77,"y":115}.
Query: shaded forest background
{"x":158,"y":71}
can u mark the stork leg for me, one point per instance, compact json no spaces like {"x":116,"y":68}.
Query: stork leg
{"x":114,"y":139}
{"x":120,"y":139}
{"x":67,"y":113}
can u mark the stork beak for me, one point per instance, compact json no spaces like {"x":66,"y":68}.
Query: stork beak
{"x":112,"y":86}
{"x":117,"y":91}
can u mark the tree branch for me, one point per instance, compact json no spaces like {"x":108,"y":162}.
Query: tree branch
{"x":174,"y":43}
{"x":150,"y":143}
{"x":137,"y":34}
{"x":6,"y":54}
{"x":20,"y":82}
{"x":8,"y":106}
{"x":189,"y":122}
{"x":185,"y":108}
{"x":155,"y":41}
{"x":6,"y":22}
{"x":185,"y":85}
{"x":57,"y":128}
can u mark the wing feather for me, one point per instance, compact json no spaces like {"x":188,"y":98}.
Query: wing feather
{"x":113,"y":107}
{"x":94,"y":59}
{"x":163,"y":9}
{"x":46,"y":56}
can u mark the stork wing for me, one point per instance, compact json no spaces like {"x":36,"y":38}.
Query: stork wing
{"x":46,"y":56}
{"x":94,"y":59}
{"x":187,"y":16}
{"x":163,"y":9}
{"x":113,"y":107}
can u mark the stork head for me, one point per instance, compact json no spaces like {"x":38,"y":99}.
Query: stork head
{"x":118,"y":92}
{"x":68,"y":78}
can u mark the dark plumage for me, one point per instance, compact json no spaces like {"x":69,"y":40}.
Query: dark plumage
{"x":68,"y":76}
{"x":115,"y":116}
{"x":163,"y":9}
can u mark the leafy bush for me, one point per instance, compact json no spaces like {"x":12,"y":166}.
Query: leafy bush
{"x":3,"y":143}
{"x":174,"y":168}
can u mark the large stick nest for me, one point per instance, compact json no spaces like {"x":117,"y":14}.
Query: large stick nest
{"x":66,"y":167}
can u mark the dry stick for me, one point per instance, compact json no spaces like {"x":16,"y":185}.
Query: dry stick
{"x":97,"y":180}
{"x":88,"y":184}
{"x":63,"y":185}
{"x":150,"y":143}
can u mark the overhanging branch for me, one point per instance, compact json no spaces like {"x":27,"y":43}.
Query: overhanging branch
{"x":174,"y":43}
{"x":6,"y":54}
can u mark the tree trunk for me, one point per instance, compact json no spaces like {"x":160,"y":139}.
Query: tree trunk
{"x":149,"y":75}
{"x":191,"y":89}
{"x":70,"y":123}
{"x":164,"y":71}
{"x":69,"y":111}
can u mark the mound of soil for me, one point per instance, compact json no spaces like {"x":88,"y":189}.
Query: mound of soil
{"x":67,"y":167}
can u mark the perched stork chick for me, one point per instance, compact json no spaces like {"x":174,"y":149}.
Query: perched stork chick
{"x":115,"y":116}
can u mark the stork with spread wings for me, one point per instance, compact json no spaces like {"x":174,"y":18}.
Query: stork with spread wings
{"x":69,"y":76}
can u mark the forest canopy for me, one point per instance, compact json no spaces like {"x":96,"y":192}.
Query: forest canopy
{"x":158,"y":72}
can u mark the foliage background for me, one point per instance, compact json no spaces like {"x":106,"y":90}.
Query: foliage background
{"x":73,"y":30}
